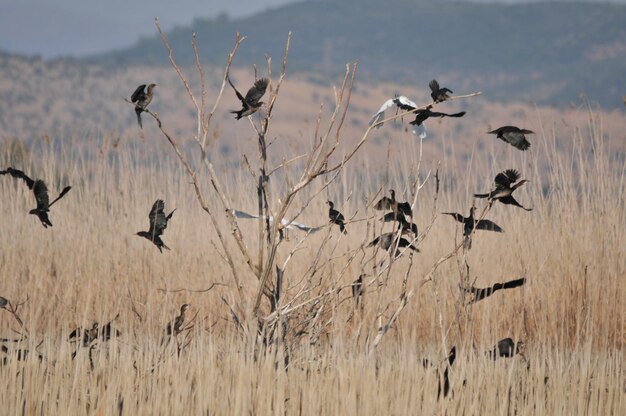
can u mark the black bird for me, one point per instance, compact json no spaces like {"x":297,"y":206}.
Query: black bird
{"x":142,"y":97}
{"x":388,"y":240}
{"x":482,"y":293}
{"x":176,"y":326}
{"x":88,"y":335}
{"x":422,"y":115}
{"x":506,"y":348}
{"x":438,"y":94}
{"x":446,"y":379}
{"x":470,"y":224}
{"x":158,"y":224}
{"x":357,"y":288}
{"x":505,"y":185}
{"x":336,"y":217}
{"x":390,"y":203}
{"x":40,"y":190}
{"x":3,"y":302}
{"x":513,"y":136}
{"x":250,"y":103}
{"x":107,"y":331}
{"x":402,"y":222}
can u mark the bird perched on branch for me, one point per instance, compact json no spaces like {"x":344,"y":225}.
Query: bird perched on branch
{"x":357,"y":289}
{"x":513,"y":136}
{"x":388,"y":240}
{"x":176,"y":326}
{"x":408,"y":227}
{"x":470,"y":224}
{"x":506,"y":348}
{"x":401,"y":103}
{"x":158,"y":224}
{"x":505,"y":184}
{"x":336,"y":217}
{"x":396,"y":207}
{"x":142,"y":97}
{"x":250,"y":103}
{"x":40,"y":190}
{"x":438,"y":94}
{"x":482,"y":293}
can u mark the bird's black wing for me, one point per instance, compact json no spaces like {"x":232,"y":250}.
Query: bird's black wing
{"x":513,"y":175}
{"x":488,"y":225}
{"x":41,"y":195}
{"x":19,"y":175}
{"x":404,"y":103}
{"x":383,"y":203}
{"x":61,"y":195}
{"x":509,"y":200}
{"x":517,"y":139}
{"x":158,"y":221}
{"x":434,"y":86}
{"x":405,"y":208}
{"x":257,"y":91}
{"x":457,"y":216}
{"x":139,"y":92}
{"x":503,"y":179}
{"x":511,"y":284}
{"x":374,"y":242}
{"x":243,"y":101}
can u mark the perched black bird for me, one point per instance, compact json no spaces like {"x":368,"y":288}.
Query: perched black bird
{"x":40,"y":190}
{"x":357,"y":289}
{"x":438,"y":94}
{"x":336,"y":217}
{"x":390,"y":203}
{"x":513,"y":136}
{"x":176,"y":326}
{"x":158,"y":224}
{"x":470,"y":224}
{"x":250,"y":103}
{"x":506,"y":348}
{"x":482,"y":293}
{"x":388,"y":240}
{"x":505,"y":185}
{"x":422,"y":115}
{"x":142,"y":97}
{"x":402,"y":222}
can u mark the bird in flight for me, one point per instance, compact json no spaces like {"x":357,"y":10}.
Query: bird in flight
{"x":284,"y":222}
{"x":505,"y":185}
{"x":158,"y":224}
{"x":142,"y":97}
{"x":470,"y":224}
{"x":388,"y":240}
{"x":513,"y":136}
{"x":438,"y":94}
{"x":407,"y":227}
{"x":401,"y":103}
{"x":250,"y":103}
{"x":336,"y":217}
{"x":482,"y":293}
{"x":40,"y":190}
{"x":422,"y":115}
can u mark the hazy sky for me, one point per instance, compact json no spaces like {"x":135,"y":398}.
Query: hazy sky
{"x":77,"y":27}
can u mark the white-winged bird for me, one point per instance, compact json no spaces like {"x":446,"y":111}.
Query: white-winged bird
{"x":142,"y":97}
{"x":158,"y":224}
{"x":505,"y":184}
{"x":401,"y":103}
{"x":513,"y":136}
{"x":40,"y":190}
{"x":390,"y":203}
{"x":285,"y":223}
{"x":250,"y":103}
{"x":336,"y":217}
{"x":438,"y":94}
{"x":482,"y":293}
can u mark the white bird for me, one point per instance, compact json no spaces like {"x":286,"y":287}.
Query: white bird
{"x":403,"y":103}
{"x":286,"y":223}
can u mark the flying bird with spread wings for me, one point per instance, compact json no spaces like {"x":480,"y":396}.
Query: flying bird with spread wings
{"x":40,"y":190}
{"x":290,"y":225}
{"x":505,"y":185}
{"x":438,"y":94}
{"x":158,"y":224}
{"x":482,"y":293}
{"x":470,"y":224}
{"x":513,"y":135}
{"x":250,"y":103}
{"x":401,"y":103}
{"x":142,"y":97}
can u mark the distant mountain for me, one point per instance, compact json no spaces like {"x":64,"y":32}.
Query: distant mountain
{"x":546,"y":52}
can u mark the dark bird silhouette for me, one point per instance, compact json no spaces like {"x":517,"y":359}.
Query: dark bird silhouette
{"x":406,"y":226}
{"x":470,"y":224}
{"x":20,"y":355}
{"x":250,"y":103}
{"x":513,"y":136}
{"x":142,"y":97}
{"x":446,"y":379}
{"x":336,"y":217}
{"x":40,"y":190}
{"x":390,"y":203}
{"x":505,"y":185}
{"x":401,"y":103}
{"x":107,"y":331}
{"x":388,"y":240}
{"x":506,"y":348}
{"x":438,"y":94}
{"x":88,"y":335}
{"x":3,"y":302}
{"x":158,"y":224}
{"x":176,"y":326}
{"x":357,"y":288}
{"x":423,"y":115}
{"x":482,"y":293}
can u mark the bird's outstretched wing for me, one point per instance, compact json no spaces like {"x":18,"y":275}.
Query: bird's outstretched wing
{"x":507,"y":178}
{"x":61,"y":195}
{"x":456,"y":216}
{"x":41,"y":195}
{"x":138,"y":93}
{"x":404,"y":103}
{"x":158,"y":221}
{"x":256,"y":91}
{"x":243,"y":101}
{"x":511,"y":283}
{"x":488,"y":225}
{"x":400,"y":101}
{"x":383,"y":203}
{"x":434,"y":85}
{"x":19,"y":175}
{"x":517,"y":139}
{"x":285,"y":222}
{"x":510,"y":200}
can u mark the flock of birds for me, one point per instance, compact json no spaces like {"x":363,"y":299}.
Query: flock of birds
{"x":399,"y":213}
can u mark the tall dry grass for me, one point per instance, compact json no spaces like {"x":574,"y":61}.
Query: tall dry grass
{"x":90,"y":266}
